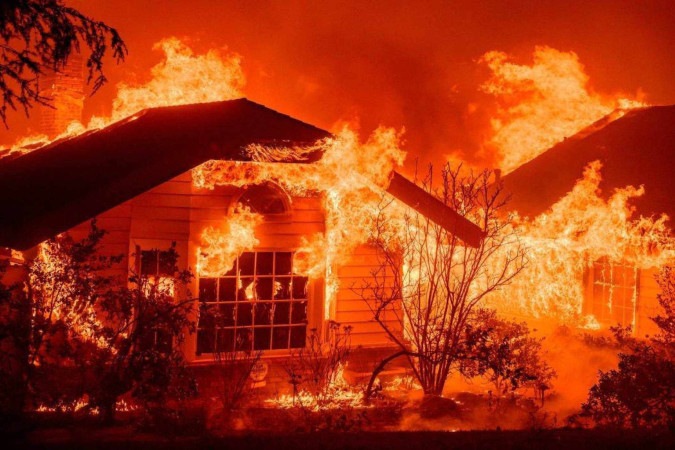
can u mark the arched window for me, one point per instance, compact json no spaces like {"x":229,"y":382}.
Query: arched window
{"x":266,"y":199}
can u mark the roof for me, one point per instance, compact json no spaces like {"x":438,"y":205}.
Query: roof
{"x":637,"y":149}
{"x":58,"y":186}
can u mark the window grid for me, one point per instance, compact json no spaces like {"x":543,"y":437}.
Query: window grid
{"x":259,"y":304}
{"x":614,"y":292}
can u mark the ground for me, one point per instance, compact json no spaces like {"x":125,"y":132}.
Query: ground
{"x":126,"y":438}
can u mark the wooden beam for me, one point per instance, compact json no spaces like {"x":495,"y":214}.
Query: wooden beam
{"x":431,"y":207}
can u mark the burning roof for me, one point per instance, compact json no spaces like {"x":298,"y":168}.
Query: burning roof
{"x":54,"y":188}
{"x":60,"y":185}
{"x":637,"y":149}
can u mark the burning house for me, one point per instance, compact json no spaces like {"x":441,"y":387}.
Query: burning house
{"x":598,"y":239}
{"x":271,"y":261}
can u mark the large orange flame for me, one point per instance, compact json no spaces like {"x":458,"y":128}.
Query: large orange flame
{"x":541,"y":104}
{"x":182,"y":77}
{"x":579,"y":229}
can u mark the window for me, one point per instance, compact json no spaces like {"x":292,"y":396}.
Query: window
{"x":156,"y":269}
{"x":260,"y":304}
{"x":266,"y":199}
{"x":614,"y":292}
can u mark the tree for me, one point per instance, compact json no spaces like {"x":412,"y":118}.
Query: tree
{"x":37,"y":36}
{"x":84,"y":331}
{"x":429,"y":282}
{"x":640,"y":392}
{"x":504,"y":352}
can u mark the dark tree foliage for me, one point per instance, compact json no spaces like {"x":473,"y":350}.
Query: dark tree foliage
{"x":640,"y":392}
{"x":506,"y":354}
{"x":81,"y":330}
{"x":37,"y":36}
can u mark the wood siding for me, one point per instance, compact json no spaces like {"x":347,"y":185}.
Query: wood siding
{"x":176,"y":211}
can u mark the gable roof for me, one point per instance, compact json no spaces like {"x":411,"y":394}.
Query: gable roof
{"x":58,"y":186}
{"x":636,"y":149}
{"x":54,"y":188}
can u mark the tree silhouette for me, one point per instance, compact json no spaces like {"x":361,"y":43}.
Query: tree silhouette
{"x":37,"y":36}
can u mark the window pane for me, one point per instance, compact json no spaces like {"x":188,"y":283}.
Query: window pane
{"x":299,"y":287}
{"x":280,"y":338}
{"x":243,"y":339}
{"x":205,"y":341}
{"x":264,"y":288}
{"x":225,"y":340}
{"x":283,"y":263}
{"x":246,"y":263}
{"x":207,"y":289}
{"x":246,"y":291}
{"x":261,"y":338}
{"x":263,"y":312}
{"x":299,"y":312}
{"x":207,"y":316}
{"x":282,"y":311}
{"x":244,"y":314}
{"x":149,"y":262}
{"x":282,"y":288}
{"x":167,"y":263}
{"x":298,"y":337}
{"x":226,"y":318}
{"x":264,"y":263}
{"x":228,"y":289}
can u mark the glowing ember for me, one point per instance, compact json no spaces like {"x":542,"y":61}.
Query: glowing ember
{"x":542,"y":104}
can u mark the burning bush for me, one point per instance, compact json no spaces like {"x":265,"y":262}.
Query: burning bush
{"x":640,"y":392}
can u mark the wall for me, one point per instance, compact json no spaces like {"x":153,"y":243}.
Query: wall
{"x":176,"y":211}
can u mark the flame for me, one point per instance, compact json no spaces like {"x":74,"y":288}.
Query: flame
{"x":579,"y":229}
{"x":82,"y":320}
{"x":221,"y":245}
{"x":182,"y":77}
{"x":338,"y":395}
{"x":350,"y":178}
{"x":542,"y":104}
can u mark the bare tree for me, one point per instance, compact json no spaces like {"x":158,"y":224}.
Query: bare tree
{"x":429,"y":282}
{"x":37,"y":36}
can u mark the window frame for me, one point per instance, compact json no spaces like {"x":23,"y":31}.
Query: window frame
{"x":598,"y":306}
{"x":314,"y":308}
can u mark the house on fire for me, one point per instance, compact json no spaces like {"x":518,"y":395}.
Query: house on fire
{"x":134,"y":177}
{"x":637,"y":149}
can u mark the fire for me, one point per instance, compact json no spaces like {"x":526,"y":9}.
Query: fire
{"x":350,"y":178}
{"x":542,"y":104}
{"x":338,"y":395}
{"x":579,"y":229}
{"x":83,"y":319}
{"x":221,"y":245}
{"x":182,"y":77}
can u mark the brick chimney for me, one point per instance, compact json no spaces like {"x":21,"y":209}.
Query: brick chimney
{"x":66,"y":93}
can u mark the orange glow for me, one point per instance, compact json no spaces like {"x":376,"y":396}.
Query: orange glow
{"x":542,"y":104}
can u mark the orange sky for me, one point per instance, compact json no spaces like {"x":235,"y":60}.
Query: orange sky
{"x":394,"y":63}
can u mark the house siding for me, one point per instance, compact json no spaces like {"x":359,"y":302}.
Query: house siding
{"x":177,"y":211}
